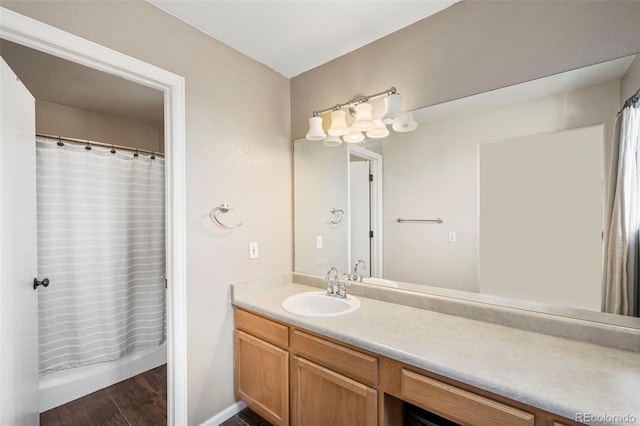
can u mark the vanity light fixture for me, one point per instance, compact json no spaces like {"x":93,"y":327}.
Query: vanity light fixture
{"x":354,"y":136}
{"x":315,"y":132}
{"x":332,"y":141}
{"x":361,"y":109}
{"x":378,"y":132}
{"x":404,"y":123}
{"x":363,"y":121}
{"x":338,"y":123}
{"x":392,"y":108}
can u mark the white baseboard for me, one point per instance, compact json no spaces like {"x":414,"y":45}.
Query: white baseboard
{"x":225,"y":414}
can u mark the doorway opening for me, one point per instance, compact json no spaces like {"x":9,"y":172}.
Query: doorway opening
{"x":365,"y":210}
{"x":29,"y":33}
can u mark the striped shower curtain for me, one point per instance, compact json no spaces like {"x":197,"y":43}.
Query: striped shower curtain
{"x":101,"y":243}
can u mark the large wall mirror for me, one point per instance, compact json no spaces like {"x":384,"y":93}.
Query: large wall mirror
{"x":500,"y":196}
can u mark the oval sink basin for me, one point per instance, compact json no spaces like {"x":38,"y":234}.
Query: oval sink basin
{"x":318,"y":304}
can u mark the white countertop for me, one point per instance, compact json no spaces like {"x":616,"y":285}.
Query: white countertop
{"x":558,"y":375}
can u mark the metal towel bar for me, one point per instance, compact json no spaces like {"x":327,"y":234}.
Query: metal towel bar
{"x":402,"y":220}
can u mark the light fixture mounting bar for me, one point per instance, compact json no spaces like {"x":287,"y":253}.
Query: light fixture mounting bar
{"x":354,"y":102}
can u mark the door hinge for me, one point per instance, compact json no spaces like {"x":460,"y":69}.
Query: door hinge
{"x":166,"y":283}
{"x":370,"y":234}
{"x":370,"y":178}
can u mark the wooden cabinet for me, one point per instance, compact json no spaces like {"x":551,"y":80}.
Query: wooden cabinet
{"x":331,"y":383}
{"x":355,"y":364}
{"x":262,"y":369}
{"x":323,"y":397}
{"x":292,"y":376}
{"x":459,"y":405}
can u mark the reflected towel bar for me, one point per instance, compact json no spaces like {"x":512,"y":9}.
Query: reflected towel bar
{"x":402,"y":220}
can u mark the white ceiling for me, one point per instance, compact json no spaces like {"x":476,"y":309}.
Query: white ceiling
{"x":294,"y":36}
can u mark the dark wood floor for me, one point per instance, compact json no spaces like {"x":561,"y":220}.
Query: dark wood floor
{"x":246,"y":417}
{"x":140,"y":400}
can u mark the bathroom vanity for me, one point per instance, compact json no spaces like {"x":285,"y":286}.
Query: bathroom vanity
{"x":369,"y":366}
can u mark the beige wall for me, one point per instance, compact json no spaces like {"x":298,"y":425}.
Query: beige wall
{"x":238,"y":151}
{"x":433,"y":172}
{"x":630,"y":83}
{"x":469,"y":48}
{"x":320,"y":175}
{"x":61,"y":120}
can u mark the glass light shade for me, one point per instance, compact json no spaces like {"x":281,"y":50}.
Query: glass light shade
{"x":363,"y":121}
{"x":378,"y":132}
{"x":392,"y":108}
{"x":338,"y":123}
{"x":315,"y":132}
{"x":404,"y":123}
{"x":355,"y":136}
{"x":332,"y":141}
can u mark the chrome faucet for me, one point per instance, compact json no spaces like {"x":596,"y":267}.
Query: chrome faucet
{"x":332,"y":284}
{"x":335,"y":287}
{"x":356,"y":276}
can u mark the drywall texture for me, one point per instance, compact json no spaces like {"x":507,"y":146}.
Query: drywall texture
{"x":433,"y":172}
{"x":61,"y":120}
{"x":321,"y":184}
{"x":630,"y":83}
{"x":238,"y":152}
{"x":470,"y":48}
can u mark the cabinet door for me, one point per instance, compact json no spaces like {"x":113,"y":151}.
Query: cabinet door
{"x":323,"y":397}
{"x":262,"y":377}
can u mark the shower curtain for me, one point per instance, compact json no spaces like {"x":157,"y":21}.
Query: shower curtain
{"x":621,"y":290}
{"x":101,"y":243}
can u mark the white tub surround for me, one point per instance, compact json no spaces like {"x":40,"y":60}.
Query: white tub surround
{"x":63,"y":386}
{"x":558,"y":375}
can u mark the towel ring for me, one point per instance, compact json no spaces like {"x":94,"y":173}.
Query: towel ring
{"x":338,"y":214}
{"x":222,"y":208}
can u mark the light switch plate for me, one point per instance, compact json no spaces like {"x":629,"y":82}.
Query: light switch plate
{"x":452,"y":237}
{"x":319,"y":242}
{"x":253,"y":250}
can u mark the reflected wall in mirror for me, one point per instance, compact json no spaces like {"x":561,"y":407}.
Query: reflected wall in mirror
{"x":519,"y":177}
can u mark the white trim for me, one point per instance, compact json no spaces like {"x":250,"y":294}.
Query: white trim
{"x":377,"y":252}
{"x":40,"y":36}
{"x":225,"y":414}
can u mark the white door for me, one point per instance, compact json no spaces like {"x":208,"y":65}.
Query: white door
{"x":359,"y":211}
{"x":18,"y":262}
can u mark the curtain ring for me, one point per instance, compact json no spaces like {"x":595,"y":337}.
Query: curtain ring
{"x":87,"y":147}
{"x":113,"y":149}
{"x":135,"y":154}
{"x":60,"y":143}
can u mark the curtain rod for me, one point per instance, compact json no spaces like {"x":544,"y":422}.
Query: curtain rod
{"x":631,"y":102}
{"x":102,"y":144}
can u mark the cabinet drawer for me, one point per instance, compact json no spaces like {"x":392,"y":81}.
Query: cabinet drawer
{"x":458,"y":404}
{"x":263,"y":328}
{"x":351,"y":363}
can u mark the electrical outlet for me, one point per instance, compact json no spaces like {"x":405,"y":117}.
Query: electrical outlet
{"x":319,"y":242}
{"x":452,"y":237}
{"x":253,"y":250}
